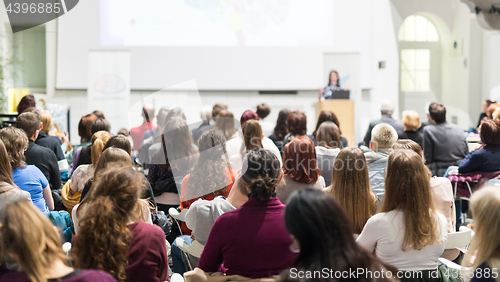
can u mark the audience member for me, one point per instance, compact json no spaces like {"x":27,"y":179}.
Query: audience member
{"x":328,"y":146}
{"x":329,"y":116}
{"x":85,"y":133}
{"x":84,"y":172}
{"x":491,"y":109}
{"x":137,"y":250}
{"x":263,"y":111}
{"x":413,"y":129}
{"x":383,"y":137}
{"x":386,"y":110}
{"x":44,"y":138}
{"x":280,"y":129}
{"x":41,"y":157}
{"x":224,"y":122}
{"x":27,"y":101}
{"x":485,"y":208}
{"x":206,"y":117}
{"x":217,"y":108}
{"x":484,"y":108}
{"x":9,"y":192}
{"x":99,"y":114}
{"x":323,"y":235}
{"x":152,"y":136}
{"x":300,"y":168}
{"x":120,"y":142}
{"x":351,"y":187}
{"x":83,"y":155}
{"x":407,"y":233}
{"x":30,"y":239}
{"x":252,"y":137}
{"x":27,"y":177}
{"x":296,"y":124}
{"x":137,"y":133}
{"x":487,"y":157}
{"x":444,"y":143}
{"x":266,"y":254}
{"x":496,"y":115}
{"x":156,"y":146}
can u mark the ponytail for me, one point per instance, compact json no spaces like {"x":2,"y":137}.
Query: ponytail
{"x":99,"y":140}
{"x":252,"y":135}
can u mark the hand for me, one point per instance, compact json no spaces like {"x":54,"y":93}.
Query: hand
{"x":65,"y":138}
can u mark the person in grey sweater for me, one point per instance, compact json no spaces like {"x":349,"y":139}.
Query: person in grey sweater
{"x":444,"y":143}
{"x":386,"y":109}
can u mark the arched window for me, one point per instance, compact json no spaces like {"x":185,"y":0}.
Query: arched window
{"x":418,"y":29}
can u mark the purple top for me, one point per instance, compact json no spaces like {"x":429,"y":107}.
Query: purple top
{"x":75,"y":160}
{"x":251,"y":241}
{"x":76,"y":276}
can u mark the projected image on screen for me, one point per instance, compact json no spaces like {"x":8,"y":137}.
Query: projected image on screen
{"x":215,"y":22}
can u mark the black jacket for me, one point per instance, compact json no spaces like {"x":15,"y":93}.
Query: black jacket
{"x":46,"y":161}
{"x":51,"y":142}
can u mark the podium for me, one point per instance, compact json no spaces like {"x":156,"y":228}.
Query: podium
{"x":344,"y":110}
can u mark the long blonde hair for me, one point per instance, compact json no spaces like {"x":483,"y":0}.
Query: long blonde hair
{"x":47,"y":121}
{"x":485,"y":208}
{"x":29,"y":235}
{"x":99,"y":140}
{"x":351,"y":187}
{"x":408,"y":190}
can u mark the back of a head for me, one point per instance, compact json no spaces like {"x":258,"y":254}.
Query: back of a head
{"x":5,"y":167}
{"x":174,"y":113}
{"x":112,"y":157}
{"x":328,"y":135}
{"x":383,"y":136}
{"x":387,"y":107}
{"x":120,"y":142}
{"x":148,"y":112}
{"x":29,"y":236}
{"x":297,"y":123}
{"x":113,"y":203}
{"x":252,"y":135}
{"x":351,"y":187}
{"x":85,"y":126}
{"x":99,"y":114}
{"x":210,"y":139}
{"x":496,"y":115}
{"x":206,"y":113}
{"x":178,"y":139}
{"x":29,"y":123}
{"x":491,"y":109}
{"x":161,"y":116}
{"x":437,"y":112}
{"x":15,"y":141}
{"x":263,"y":110}
{"x":485,"y":208}
{"x":407,"y":189}
{"x":26,"y":102}
{"x":261,"y":172}
{"x":490,"y":132}
{"x":407,"y":144}
{"x":100,"y":124}
{"x":99,"y":140}
{"x":299,"y":160}
{"x":411,"y":120}
{"x":217,"y":108}
{"x":280,"y":129}
{"x":326,"y":116}
{"x":46,"y":121}
{"x":246,"y":116}
{"x":225,"y":123}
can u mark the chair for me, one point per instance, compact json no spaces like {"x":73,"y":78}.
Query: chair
{"x":460,"y":239}
{"x":177,"y":217}
{"x":195,"y":249}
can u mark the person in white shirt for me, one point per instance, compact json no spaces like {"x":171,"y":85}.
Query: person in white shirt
{"x":408,"y":233}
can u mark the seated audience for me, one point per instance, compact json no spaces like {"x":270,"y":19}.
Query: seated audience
{"x":41,"y":157}
{"x":9,"y":192}
{"x":296,"y":125}
{"x":119,"y":141}
{"x":280,"y":129}
{"x":44,"y":139}
{"x":487,"y":157}
{"x":263,"y":111}
{"x":322,"y":234}
{"x":412,"y":126}
{"x":137,"y":133}
{"x":484,"y":108}
{"x":83,"y":173}
{"x":265,"y":254}
{"x":206,"y":117}
{"x":236,"y":145}
{"x":329,"y":116}
{"x":27,"y":177}
{"x":386,"y":110}
{"x":252,"y":137}
{"x":485,"y":208}
{"x":224,"y":122}
{"x":29,"y":238}
{"x":444,"y":142}
{"x":383,"y":137}
{"x":85,"y":133}
{"x":152,"y":137}
{"x":27,"y":101}
{"x":83,"y":155}
{"x":351,"y":187}
{"x":99,"y":114}
{"x":407,"y":233}
{"x":300,"y":168}
{"x":328,"y":146}
{"x":137,"y":251}
{"x":491,"y":109}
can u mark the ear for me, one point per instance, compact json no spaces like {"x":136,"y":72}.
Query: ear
{"x":371,"y":145}
{"x":262,"y":136}
{"x":41,"y":125}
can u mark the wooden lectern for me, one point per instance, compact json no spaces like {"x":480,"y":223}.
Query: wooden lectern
{"x":344,"y":110}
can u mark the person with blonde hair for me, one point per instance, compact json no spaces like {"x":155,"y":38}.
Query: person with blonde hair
{"x":407,"y":233}
{"x":29,"y":238}
{"x":383,"y":137}
{"x":351,"y":187}
{"x":83,"y":173}
{"x":413,"y":129}
{"x":485,"y":208}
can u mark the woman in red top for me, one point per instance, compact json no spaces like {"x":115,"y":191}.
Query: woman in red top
{"x":111,"y":238}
